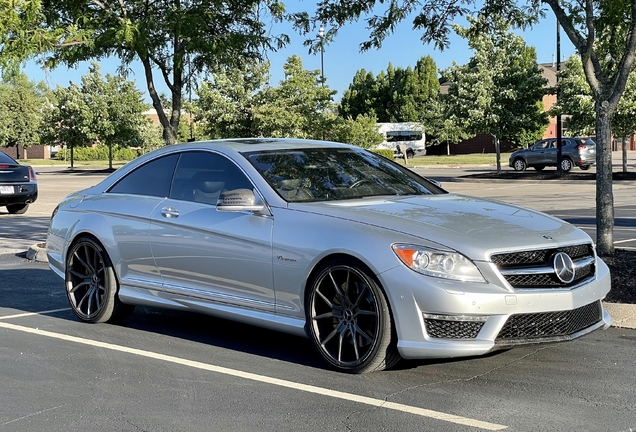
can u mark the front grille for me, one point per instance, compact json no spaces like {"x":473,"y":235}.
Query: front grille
{"x":550,"y":324}
{"x":541,"y":256}
{"x":533,"y":269}
{"x":453,"y":329}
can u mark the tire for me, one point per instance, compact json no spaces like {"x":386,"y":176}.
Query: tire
{"x":410,"y":154}
{"x":91,"y":284}
{"x":519,"y":165}
{"x":17,"y":208}
{"x":349,"y":319}
{"x":539,"y":167}
{"x":566,"y":165}
{"x":585,"y":167}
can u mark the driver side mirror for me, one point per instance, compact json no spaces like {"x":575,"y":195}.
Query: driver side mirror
{"x":239,"y":200}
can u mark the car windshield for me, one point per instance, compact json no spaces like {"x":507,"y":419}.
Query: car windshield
{"x":325,"y":174}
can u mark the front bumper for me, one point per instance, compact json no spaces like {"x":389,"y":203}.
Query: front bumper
{"x":416,"y":299}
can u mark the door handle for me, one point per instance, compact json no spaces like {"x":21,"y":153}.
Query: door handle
{"x":170,"y":213}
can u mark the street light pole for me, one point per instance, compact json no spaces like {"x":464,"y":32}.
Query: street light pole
{"x":321,"y":35}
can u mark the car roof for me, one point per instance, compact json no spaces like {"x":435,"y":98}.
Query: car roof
{"x":260,"y":144}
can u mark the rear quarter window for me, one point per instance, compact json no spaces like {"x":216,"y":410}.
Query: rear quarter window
{"x":151,"y":179}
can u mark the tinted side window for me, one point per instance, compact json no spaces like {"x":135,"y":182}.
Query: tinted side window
{"x":151,"y":179}
{"x":203,"y":176}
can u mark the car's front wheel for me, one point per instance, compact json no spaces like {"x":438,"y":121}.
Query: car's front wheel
{"x":349,"y":318}
{"x":91,"y":284}
{"x":519,"y":165}
{"x":585,"y":167}
{"x":17,"y":208}
{"x":566,"y":165}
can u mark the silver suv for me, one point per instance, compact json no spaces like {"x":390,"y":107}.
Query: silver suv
{"x":575,"y":151}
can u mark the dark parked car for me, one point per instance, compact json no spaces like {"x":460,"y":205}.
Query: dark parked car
{"x":18,"y":185}
{"x":575,"y":151}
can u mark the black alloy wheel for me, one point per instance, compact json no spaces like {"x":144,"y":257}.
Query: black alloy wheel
{"x":91,"y":284}
{"x":349,"y":319}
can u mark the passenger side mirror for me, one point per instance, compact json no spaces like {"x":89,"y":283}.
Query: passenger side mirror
{"x":239,"y":200}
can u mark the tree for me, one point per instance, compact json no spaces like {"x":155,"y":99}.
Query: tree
{"x":577,"y":102}
{"x":575,"y":98}
{"x":397,"y":95}
{"x":602,"y":32}
{"x":361,"y":96}
{"x":117,"y":110}
{"x":362,"y":131}
{"x":107,"y":111}
{"x":21,"y":103}
{"x":227,"y":103}
{"x":299,"y":107}
{"x":23,"y":33}
{"x":499,"y":91}
{"x":179,"y":38}
{"x":69,"y":120}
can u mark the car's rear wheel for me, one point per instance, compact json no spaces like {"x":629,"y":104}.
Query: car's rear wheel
{"x":539,"y":167}
{"x":519,"y":165}
{"x":585,"y":167}
{"x":566,"y":165}
{"x":349,"y":319}
{"x":91,"y":284}
{"x":17,"y":208}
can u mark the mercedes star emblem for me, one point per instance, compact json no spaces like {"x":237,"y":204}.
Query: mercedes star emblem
{"x":563,"y":267}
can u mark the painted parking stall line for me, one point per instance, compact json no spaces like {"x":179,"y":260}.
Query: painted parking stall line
{"x":379,"y":403}
{"x":26,"y":314}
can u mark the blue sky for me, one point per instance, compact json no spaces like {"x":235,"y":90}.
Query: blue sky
{"x":342,"y":57}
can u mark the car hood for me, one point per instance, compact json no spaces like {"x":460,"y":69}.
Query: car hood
{"x":472,"y":226}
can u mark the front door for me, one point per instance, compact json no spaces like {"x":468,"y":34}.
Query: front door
{"x":222,"y":257}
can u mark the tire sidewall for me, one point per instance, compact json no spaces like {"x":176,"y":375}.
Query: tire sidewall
{"x":110,"y":283}
{"x":385,"y":334}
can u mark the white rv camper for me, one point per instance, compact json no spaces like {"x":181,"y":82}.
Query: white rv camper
{"x":407,"y":134}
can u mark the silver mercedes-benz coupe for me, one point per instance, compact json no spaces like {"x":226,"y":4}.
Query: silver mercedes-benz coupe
{"x":366,"y":258}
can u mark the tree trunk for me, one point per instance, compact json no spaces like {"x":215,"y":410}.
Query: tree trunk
{"x":169,"y":134}
{"x":604,"y":194}
{"x":110,"y":156}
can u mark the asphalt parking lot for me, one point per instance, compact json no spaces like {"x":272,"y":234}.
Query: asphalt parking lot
{"x":171,"y":371}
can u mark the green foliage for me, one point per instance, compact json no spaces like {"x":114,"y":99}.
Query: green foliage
{"x":100,"y":152}
{"x":107,"y":111}
{"x":227,"y":103}
{"x":21,"y":103}
{"x":576,"y":101}
{"x":387,"y":153}
{"x":179,"y":39}
{"x":299,"y":107}
{"x":397,"y":95}
{"x":23,"y":33}
{"x":499,"y":91}
{"x":361,"y":132}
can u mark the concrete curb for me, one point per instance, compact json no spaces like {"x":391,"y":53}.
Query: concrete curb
{"x":37,"y":252}
{"x":623,"y":315}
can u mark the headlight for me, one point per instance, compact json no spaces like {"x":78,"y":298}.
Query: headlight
{"x":438,"y":263}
